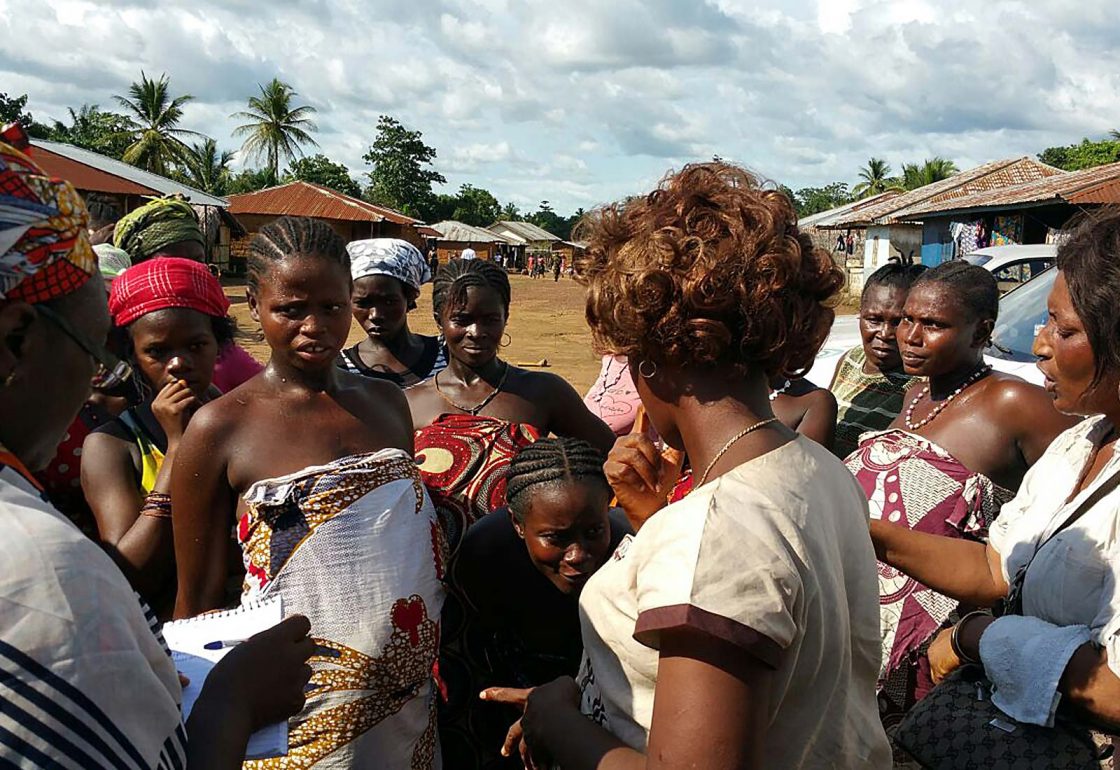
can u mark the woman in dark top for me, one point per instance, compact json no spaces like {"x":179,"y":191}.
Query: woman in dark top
{"x":388,"y":274}
{"x":520,"y":572}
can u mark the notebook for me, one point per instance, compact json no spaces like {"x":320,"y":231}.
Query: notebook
{"x":188,"y":640}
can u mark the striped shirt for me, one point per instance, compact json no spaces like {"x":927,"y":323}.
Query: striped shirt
{"x":865,"y":402}
{"x":86,"y":680}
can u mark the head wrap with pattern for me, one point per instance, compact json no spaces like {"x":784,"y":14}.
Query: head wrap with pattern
{"x":389,"y":256}
{"x":156,"y":225}
{"x":44,"y":246}
{"x":162,"y":283}
{"x":111,"y":260}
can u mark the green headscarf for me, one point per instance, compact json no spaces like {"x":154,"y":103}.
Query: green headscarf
{"x":155,"y":225}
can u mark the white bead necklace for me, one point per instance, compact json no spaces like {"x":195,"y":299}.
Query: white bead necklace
{"x":775,"y":393}
{"x":983,"y":370}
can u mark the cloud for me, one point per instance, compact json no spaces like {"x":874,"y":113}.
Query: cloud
{"x":587,"y":102}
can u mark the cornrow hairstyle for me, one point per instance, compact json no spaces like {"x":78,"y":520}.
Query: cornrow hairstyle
{"x":974,"y":286}
{"x":289,"y":237}
{"x":893,"y":276}
{"x":550,"y":461}
{"x":449,"y":288}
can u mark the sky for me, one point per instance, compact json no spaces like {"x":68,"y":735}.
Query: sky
{"x":582,"y":102}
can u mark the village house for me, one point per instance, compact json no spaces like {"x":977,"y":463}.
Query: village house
{"x":455,"y":236}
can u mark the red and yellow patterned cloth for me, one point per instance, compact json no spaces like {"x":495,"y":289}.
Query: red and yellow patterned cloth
{"x":44,"y":245}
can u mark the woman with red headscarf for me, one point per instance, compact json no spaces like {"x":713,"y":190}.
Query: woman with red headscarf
{"x":170,"y":316}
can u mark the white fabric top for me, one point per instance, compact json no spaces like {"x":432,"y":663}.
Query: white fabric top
{"x":773,"y":557}
{"x":1074,"y":578}
{"x":468,"y":253}
{"x":84,"y":681}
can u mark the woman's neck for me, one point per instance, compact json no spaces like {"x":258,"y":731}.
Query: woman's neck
{"x":286,"y":377}
{"x":396,"y":346}
{"x":706,"y":425}
{"x":941,"y":386}
{"x":491,"y":371}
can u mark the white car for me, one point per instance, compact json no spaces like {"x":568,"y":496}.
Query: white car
{"x":1014,"y":265}
{"x":1022,"y":313}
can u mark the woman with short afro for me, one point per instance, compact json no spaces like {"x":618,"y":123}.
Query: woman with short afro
{"x":739,"y":627}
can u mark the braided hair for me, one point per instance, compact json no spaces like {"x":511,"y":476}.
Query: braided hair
{"x":547,"y":462}
{"x":449,"y":288}
{"x":290,"y":237}
{"x":893,"y":276}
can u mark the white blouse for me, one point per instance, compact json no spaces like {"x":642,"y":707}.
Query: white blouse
{"x":1074,"y":578}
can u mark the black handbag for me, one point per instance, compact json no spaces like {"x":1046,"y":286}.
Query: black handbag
{"x":957,"y":727}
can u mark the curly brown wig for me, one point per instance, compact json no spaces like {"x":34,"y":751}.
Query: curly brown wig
{"x":708,"y":270}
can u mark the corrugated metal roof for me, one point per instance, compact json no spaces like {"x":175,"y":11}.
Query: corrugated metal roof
{"x":990,"y":176}
{"x":523,"y":231}
{"x":823,"y":218}
{"x":132,"y":180}
{"x":1093,"y":185}
{"x":450,"y":230}
{"x":304,"y":199}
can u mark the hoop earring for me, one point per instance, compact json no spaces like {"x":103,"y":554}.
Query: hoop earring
{"x":642,"y":369}
{"x":504,"y":342}
{"x":9,"y":379}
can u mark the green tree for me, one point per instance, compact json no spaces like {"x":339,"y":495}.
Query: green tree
{"x":1076,"y":157}
{"x":510,"y":213}
{"x":12,"y":111}
{"x":547,"y":219}
{"x":876,"y":176}
{"x":1114,"y":134}
{"x":278,"y":129}
{"x":319,"y":169}
{"x":156,"y":140}
{"x":250,"y":180}
{"x":400,"y":178}
{"x":475,"y":206}
{"x":813,"y":200}
{"x":106,"y":133}
{"x":932,"y":170}
{"x":207,"y":168}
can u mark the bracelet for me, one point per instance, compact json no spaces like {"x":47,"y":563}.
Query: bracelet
{"x":157,"y":505}
{"x":955,"y":638}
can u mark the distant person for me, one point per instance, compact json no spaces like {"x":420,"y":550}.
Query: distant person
{"x":840,"y":245}
{"x":851,"y":242}
{"x":468,"y":253}
{"x":433,"y":260}
{"x":869,"y":382}
{"x":557,"y":268}
{"x":388,"y":274}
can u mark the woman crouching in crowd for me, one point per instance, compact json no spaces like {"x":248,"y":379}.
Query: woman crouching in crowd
{"x":739,"y":627}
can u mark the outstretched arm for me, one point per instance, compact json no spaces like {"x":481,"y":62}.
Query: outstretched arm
{"x":202,"y":506}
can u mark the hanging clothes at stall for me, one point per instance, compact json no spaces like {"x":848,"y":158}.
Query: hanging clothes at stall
{"x":1007,"y":230}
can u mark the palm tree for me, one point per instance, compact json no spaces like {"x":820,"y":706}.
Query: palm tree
{"x":207,"y":168}
{"x":278,"y":129}
{"x":876,"y":178}
{"x":510,"y":212}
{"x":932,"y":170}
{"x":156,"y":141}
{"x":1114,"y":135}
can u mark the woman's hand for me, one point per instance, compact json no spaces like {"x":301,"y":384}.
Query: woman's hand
{"x":541,"y":706}
{"x":266,"y":675}
{"x":514,"y":738}
{"x":942,"y":660}
{"x":641,"y":475}
{"x":173,"y":407}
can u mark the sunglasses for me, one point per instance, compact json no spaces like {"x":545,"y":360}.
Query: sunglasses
{"x":111,"y":371}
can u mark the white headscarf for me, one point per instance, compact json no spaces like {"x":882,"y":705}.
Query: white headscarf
{"x":389,"y":256}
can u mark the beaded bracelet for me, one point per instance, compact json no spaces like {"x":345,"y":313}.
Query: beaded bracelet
{"x":157,"y":505}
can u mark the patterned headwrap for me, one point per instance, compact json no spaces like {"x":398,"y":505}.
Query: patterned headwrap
{"x":111,"y":260}
{"x":162,"y":283}
{"x":160,"y":223}
{"x":44,"y":246}
{"x":389,"y":256}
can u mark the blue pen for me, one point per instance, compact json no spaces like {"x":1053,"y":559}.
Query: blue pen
{"x":222,"y":644}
